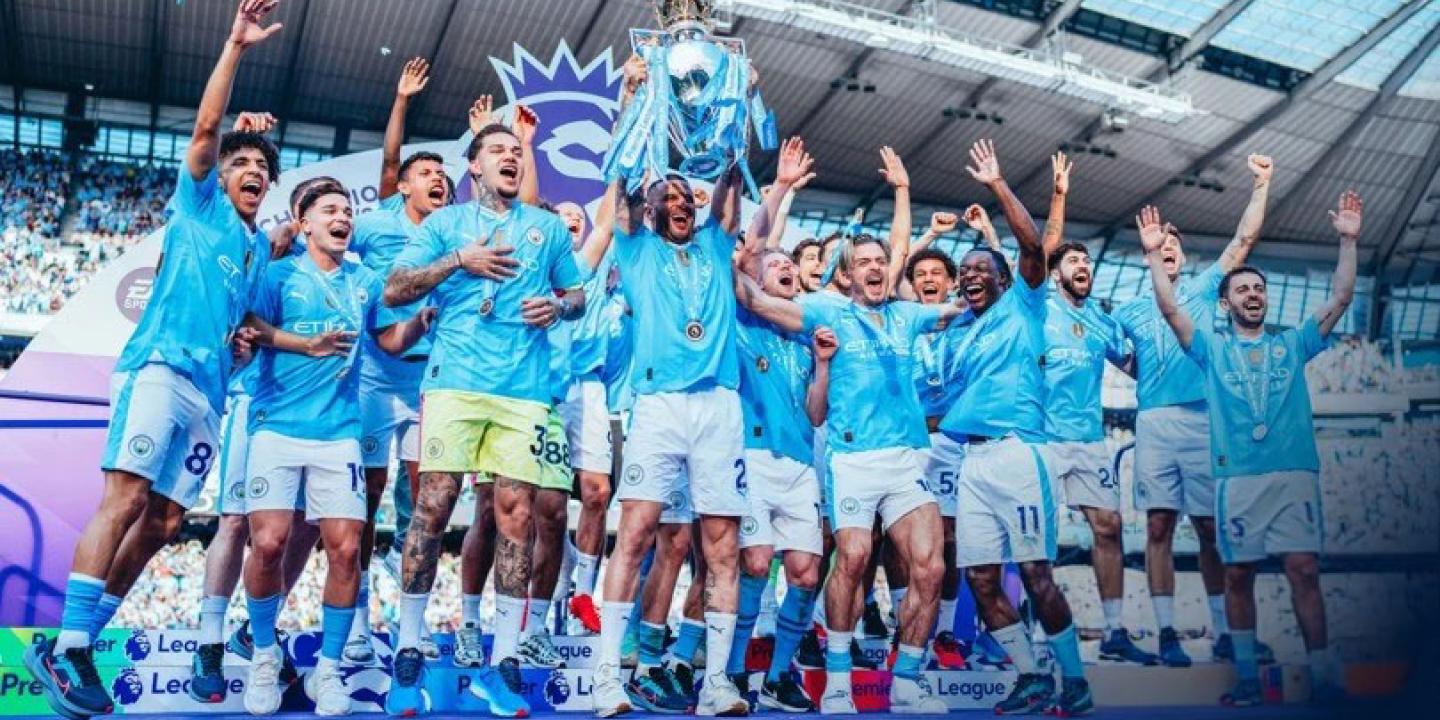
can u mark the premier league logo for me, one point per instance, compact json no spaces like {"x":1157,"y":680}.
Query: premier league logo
{"x":557,"y":689}
{"x":127,"y":687}
{"x":137,"y":648}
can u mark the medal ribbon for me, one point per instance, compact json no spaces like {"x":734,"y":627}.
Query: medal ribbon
{"x":349,"y":310}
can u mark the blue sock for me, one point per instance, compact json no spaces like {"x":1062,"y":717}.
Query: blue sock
{"x":82,"y":594}
{"x":652,"y":643}
{"x":335,"y":623}
{"x":362,"y":599}
{"x":907,"y":662}
{"x":691,"y":633}
{"x":752,"y":591}
{"x":263,"y":612}
{"x":1067,"y":652}
{"x":105,"y":609}
{"x":1245,"y":665}
{"x":790,"y":625}
{"x":837,"y":652}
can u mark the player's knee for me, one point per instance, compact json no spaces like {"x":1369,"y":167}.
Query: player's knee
{"x":1303,"y":569}
{"x":1039,"y":580}
{"x":125,"y":502}
{"x":984,"y":581}
{"x":1240,"y":577}
{"x":1106,"y":526}
{"x":927,"y":573}
{"x":1159,"y":528}
{"x":805,"y":577}
{"x":755,"y":564}
{"x":851,"y":558}
{"x":594,"y":491}
{"x":267,"y":546}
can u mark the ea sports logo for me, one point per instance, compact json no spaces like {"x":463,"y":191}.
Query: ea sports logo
{"x":127,"y":688}
{"x":557,"y":689}
{"x":137,"y":648}
{"x":133,"y":293}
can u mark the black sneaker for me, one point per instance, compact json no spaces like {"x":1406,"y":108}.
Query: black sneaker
{"x":509,"y":670}
{"x":407,"y":696}
{"x":810,"y":656}
{"x":1075,"y":698}
{"x":71,"y":685}
{"x":872,"y":624}
{"x":207,"y":675}
{"x":656,"y":691}
{"x":741,"y":681}
{"x":1171,"y":654}
{"x":1033,"y":693}
{"x":685,"y":682}
{"x":785,"y":695}
{"x":858,"y":659}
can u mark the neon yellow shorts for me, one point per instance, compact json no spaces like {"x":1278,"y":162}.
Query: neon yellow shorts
{"x":468,"y":432}
{"x":553,"y":452}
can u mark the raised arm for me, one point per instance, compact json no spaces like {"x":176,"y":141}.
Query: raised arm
{"x":784,"y":314}
{"x":1248,"y":232}
{"x":817,"y":396}
{"x":979,"y":221}
{"x":894,"y":172}
{"x":986,"y":170}
{"x":413,"y":80}
{"x":1152,"y":237}
{"x":525,"y":125}
{"x":597,"y":243}
{"x":1055,"y":224}
{"x":204,"y":151}
{"x":725,"y":205}
{"x":794,"y":167}
{"x":629,"y":208}
{"x":1346,"y":219}
{"x":940,"y":223}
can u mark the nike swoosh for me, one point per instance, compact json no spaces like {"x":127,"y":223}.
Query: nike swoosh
{"x":64,"y":685}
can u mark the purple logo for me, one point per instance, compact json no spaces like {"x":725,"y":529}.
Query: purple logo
{"x":133,"y":292}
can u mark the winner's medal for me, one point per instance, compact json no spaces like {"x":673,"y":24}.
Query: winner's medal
{"x":487,"y":306}
{"x":695,"y":330}
{"x":1256,"y":361}
{"x":692,"y":274}
{"x":1260,"y":431}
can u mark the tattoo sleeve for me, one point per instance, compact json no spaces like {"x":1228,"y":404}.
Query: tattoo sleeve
{"x":406,"y":285}
{"x":512,"y":567}
{"x":422,"y":546}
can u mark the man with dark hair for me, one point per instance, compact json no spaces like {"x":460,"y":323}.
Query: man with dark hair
{"x":806,"y":256}
{"x":492,"y":266}
{"x":1172,"y":439}
{"x":169,"y":382}
{"x":1262,"y":436}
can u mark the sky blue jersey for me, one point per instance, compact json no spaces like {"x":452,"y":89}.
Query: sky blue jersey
{"x":1077,"y":344}
{"x":619,"y":365}
{"x":296,"y":395}
{"x":481,"y":344}
{"x":379,"y":237}
{"x":936,"y":354}
{"x":775,"y":372}
{"x":998,"y":369}
{"x":1164,"y":375}
{"x":1259,"y":402}
{"x":210,"y":266}
{"x":873,"y":404}
{"x":683,"y":302}
{"x":589,"y":334}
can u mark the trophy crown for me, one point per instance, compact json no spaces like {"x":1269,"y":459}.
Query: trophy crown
{"x":676,"y":12}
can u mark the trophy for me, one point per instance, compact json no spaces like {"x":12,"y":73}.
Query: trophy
{"x":696,"y":99}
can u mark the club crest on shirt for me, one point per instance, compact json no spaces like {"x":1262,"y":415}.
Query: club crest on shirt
{"x":1278,"y":352}
{"x":141,"y":446}
{"x":634,"y":475}
{"x":434,"y":448}
{"x":849,"y":506}
{"x":1078,"y":330}
{"x":362,"y":295}
{"x":369,"y":444}
{"x":749,"y":526}
{"x":259,"y":487}
{"x":534,"y":236}
{"x":762,"y":364}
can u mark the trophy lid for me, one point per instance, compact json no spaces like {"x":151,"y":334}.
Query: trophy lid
{"x":672,"y":13}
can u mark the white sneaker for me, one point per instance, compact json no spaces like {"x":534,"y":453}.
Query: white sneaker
{"x":914,"y":697}
{"x":539,"y":651}
{"x":427,"y":646}
{"x":262,"y":689}
{"x":719,"y":696}
{"x":468,"y":650}
{"x":326,"y":688}
{"x":358,"y":649}
{"x":608,"y":694}
{"x":838,"y":701}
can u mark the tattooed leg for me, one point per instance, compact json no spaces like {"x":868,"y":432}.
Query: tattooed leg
{"x":422,"y":545}
{"x":514,"y":541}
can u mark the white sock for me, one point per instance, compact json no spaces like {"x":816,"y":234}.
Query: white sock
{"x":1113,"y":609}
{"x":719,"y":633}
{"x":509,"y":614}
{"x":535,"y":617}
{"x":212,"y":619}
{"x":1218,"y":624}
{"x":412,"y":619}
{"x":587,"y":568}
{"x":1164,"y":610}
{"x":838,"y":641}
{"x":945,"y":621}
{"x":360,"y":626}
{"x":323,"y":663}
{"x":470,"y":609}
{"x":896,"y":595}
{"x":1017,"y":645}
{"x":613,"y":618}
{"x":837,"y":681}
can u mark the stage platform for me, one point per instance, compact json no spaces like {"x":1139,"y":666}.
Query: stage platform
{"x":148,"y":672}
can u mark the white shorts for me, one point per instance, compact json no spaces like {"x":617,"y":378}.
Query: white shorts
{"x":163,"y":429}
{"x":1172,"y":461}
{"x":587,"y":426}
{"x":942,"y":470}
{"x":387,"y":418}
{"x":1007,"y":511}
{"x":784,"y":504}
{"x":888,"y":481}
{"x":1257,"y":516}
{"x":675,"y":434}
{"x":326,"y":473}
{"x":1083,"y":473}
{"x":234,"y":449}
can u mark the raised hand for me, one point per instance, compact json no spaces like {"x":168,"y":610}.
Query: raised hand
{"x":944,"y":222}
{"x":1261,"y":166}
{"x":330,"y":342}
{"x":247,"y":31}
{"x":495,"y":263}
{"x":635,"y":73}
{"x":985,"y":167}
{"x":702,"y":198}
{"x":1152,"y":232}
{"x":894,"y":171}
{"x":254,"y":122}
{"x":1061,"y":167}
{"x":795,"y":164}
{"x":413,"y":78}
{"x":976,"y":217}
{"x":525,"y":125}
{"x":1347,"y":216}
{"x":481,"y":114}
{"x":825,"y":343}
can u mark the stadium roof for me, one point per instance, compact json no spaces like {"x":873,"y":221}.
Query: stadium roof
{"x":1342,"y":92}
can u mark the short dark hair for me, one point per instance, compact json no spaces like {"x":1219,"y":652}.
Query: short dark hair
{"x":930,"y":253}
{"x":418,"y":157}
{"x":233,"y":142}
{"x":998,"y":259}
{"x":1059,"y":253}
{"x":314,"y":191}
{"x":1225,"y":281}
{"x":655,"y":193}
{"x":300,"y":188}
{"x":804,"y":245}
{"x":479,"y":140}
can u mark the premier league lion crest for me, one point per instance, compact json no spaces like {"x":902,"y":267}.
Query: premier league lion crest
{"x":128,"y":687}
{"x":557,"y":689}
{"x":137,"y":646}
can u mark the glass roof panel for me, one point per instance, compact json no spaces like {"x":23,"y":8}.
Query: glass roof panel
{"x":1371,"y":70}
{"x":1176,"y":18}
{"x":1302,"y":34}
{"x":1425,"y":83}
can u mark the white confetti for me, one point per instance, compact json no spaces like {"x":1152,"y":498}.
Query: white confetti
{"x":385,"y":51}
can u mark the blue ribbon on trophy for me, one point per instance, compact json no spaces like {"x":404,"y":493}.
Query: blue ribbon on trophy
{"x":696,"y":99}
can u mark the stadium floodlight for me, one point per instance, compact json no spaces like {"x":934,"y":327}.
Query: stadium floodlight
{"x":923,"y":37}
